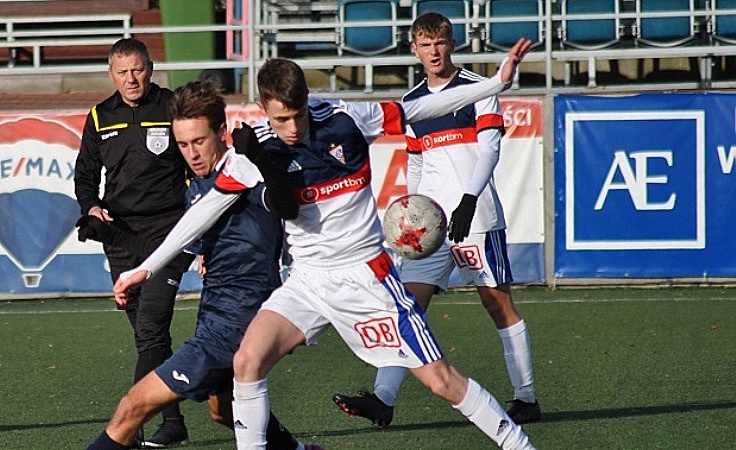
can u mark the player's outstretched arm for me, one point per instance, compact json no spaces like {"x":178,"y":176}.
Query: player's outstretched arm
{"x":126,"y":281}
{"x":195,"y":221}
{"x":449,"y":100}
{"x":513,"y":58}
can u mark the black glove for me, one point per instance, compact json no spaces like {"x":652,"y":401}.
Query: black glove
{"x":279,"y":194}
{"x":90,"y":227}
{"x":461,"y":218}
{"x":246,"y":143}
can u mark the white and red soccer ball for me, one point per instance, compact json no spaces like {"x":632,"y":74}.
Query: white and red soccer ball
{"x":414,"y":226}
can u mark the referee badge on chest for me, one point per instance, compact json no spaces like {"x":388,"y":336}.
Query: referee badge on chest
{"x":157,"y":139}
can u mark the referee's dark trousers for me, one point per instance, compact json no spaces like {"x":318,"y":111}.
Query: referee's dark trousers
{"x":150,"y":306}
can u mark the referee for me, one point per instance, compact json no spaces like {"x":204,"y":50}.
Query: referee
{"x":129,"y":136}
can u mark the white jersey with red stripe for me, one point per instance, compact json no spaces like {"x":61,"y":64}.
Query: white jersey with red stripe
{"x":337,"y":223}
{"x":444,"y":152}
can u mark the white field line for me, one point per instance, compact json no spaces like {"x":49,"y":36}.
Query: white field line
{"x":63,"y":311}
{"x":438,"y":301}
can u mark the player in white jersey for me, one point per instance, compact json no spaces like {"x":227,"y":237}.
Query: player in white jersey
{"x":340,"y":273}
{"x":451,"y":159}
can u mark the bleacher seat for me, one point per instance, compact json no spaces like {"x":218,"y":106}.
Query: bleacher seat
{"x":370,"y":40}
{"x":502,"y":35}
{"x":723,"y":25}
{"x":590,"y":34}
{"x":666,"y":31}
{"x":453,"y":10}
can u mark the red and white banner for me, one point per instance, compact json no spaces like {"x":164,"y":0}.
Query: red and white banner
{"x":518,"y":176}
{"x":40,"y":253}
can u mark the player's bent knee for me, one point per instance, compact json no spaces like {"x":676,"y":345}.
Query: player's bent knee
{"x":130,"y":410}
{"x":246,"y":365}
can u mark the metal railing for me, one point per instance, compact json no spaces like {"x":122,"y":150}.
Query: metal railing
{"x":253,"y":35}
{"x":21,"y":33}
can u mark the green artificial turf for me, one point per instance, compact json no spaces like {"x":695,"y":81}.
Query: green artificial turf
{"x":624,"y":368}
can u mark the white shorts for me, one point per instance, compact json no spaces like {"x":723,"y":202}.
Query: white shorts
{"x":481,"y":260}
{"x":368,"y":307}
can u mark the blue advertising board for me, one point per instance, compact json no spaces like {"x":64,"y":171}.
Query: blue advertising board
{"x":644,"y":186}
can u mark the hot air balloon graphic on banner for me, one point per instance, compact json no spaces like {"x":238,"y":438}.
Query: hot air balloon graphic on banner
{"x":39,"y":250}
{"x":37,"y":204}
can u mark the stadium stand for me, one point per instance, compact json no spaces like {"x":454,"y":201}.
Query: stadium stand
{"x":458,"y":11}
{"x":68,"y":30}
{"x":575,"y":39}
{"x":372,"y":39}
{"x":32,"y":36}
{"x":675,"y":25}
{"x":581,"y":45}
{"x":721,"y":24}
{"x":509,"y":20}
{"x":296,"y":27}
{"x":590,"y":24}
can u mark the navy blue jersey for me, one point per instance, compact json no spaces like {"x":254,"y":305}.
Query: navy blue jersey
{"x":241,"y":252}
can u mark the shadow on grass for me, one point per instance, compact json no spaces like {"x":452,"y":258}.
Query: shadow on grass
{"x":40,"y":426}
{"x":563,"y":416}
{"x":408,"y":427}
{"x":102,"y":423}
{"x":559,"y":416}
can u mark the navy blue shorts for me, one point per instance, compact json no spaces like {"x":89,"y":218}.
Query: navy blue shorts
{"x":203,"y":366}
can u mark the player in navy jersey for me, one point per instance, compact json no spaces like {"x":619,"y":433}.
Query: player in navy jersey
{"x":452,"y":159}
{"x":340,"y":276}
{"x":240,"y":257}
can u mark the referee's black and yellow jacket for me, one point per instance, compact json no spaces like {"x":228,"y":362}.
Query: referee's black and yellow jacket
{"x":145,"y":174}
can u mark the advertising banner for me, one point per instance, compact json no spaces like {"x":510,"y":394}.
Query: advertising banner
{"x":643,"y":186}
{"x":40,"y":253}
{"x":518,"y":177}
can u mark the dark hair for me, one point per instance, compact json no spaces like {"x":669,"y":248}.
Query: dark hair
{"x":432,"y":25}
{"x":283,"y":80}
{"x":199,"y":99}
{"x":129,"y":46}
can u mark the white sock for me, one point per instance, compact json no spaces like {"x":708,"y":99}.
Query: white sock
{"x":388,"y":382}
{"x":483,"y":410}
{"x":518,"y":354}
{"x":251,"y":408}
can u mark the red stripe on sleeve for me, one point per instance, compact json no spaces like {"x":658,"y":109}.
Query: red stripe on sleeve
{"x":393,"y":118}
{"x":225,"y":183}
{"x":489,"y":121}
{"x":413,"y":145}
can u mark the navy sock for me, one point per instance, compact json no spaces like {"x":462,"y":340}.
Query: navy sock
{"x":104,"y":442}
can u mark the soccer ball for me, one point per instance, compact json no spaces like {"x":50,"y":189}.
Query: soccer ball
{"x":414,"y":226}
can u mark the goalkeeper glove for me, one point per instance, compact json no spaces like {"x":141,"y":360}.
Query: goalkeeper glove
{"x":461,"y":218}
{"x":279,"y":195}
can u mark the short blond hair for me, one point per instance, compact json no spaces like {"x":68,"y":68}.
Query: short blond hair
{"x":432,"y":25}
